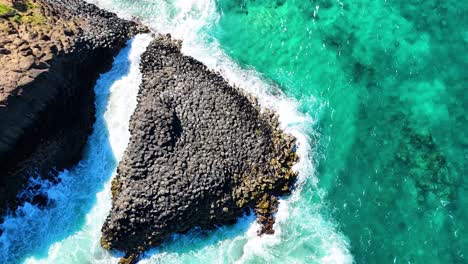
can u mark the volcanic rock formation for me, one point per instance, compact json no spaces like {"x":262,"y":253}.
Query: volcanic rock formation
{"x":201,"y":154}
{"x":51,"y":53}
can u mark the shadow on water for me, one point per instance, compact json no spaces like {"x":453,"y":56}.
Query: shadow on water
{"x":32,"y":230}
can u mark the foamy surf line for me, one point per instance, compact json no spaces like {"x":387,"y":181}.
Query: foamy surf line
{"x":293,"y":122}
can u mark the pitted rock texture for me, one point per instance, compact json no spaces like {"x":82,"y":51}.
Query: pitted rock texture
{"x":201,"y":154}
{"x":51,"y":52}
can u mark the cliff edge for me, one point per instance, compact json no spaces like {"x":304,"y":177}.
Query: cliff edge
{"x":51,"y":54}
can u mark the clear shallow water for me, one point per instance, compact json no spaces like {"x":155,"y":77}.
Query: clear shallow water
{"x":369,"y":88}
{"x":389,"y":82}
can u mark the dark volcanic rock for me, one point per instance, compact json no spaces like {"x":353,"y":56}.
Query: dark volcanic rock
{"x":200,"y":154}
{"x":51,"y":56}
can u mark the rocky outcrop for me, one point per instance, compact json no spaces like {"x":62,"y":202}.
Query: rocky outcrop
{"x":201,"y":154}
{"x":51,"y":52}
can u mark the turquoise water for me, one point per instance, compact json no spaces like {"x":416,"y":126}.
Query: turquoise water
{"x":374,"y":92}
{"x":389,"y":80}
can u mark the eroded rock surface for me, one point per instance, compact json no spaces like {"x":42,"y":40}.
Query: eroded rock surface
{"x":51,"y":53}
{"x":201,"y":154}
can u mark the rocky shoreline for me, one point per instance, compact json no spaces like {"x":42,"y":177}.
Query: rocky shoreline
{"x":201,"y":154}
{"x":51,"y":52}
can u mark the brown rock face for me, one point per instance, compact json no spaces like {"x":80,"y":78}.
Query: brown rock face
{"x":51,"y":53}
{"x":201,"y":154}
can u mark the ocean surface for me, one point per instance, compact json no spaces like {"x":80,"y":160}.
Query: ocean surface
{"x":376,"y":93}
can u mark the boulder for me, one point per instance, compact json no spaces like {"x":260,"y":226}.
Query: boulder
{"x":201,"y":154}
